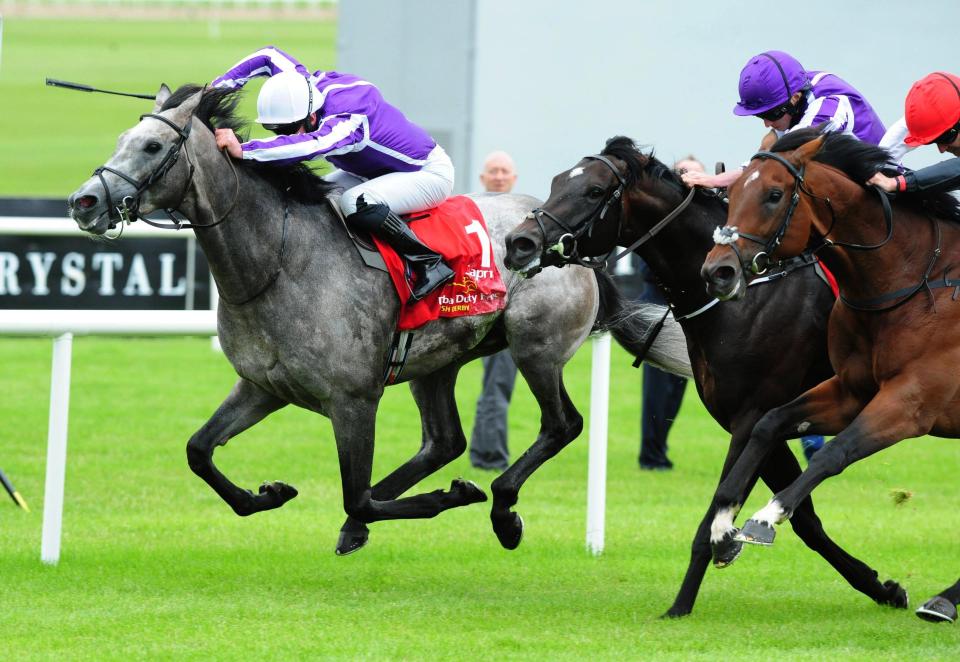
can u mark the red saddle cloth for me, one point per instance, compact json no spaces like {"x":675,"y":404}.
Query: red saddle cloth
{"x":457,"y":231}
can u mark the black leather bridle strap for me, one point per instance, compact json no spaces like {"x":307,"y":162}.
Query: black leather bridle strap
{"x":652,"y":232}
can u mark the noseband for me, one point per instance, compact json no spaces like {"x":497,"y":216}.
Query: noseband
{"x":571,"y":235}
{"x":128,"y":210}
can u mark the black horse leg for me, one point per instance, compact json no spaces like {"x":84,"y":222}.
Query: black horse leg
{"x":560,"y":423}
{"x":443,"y":441}
{"x":354,"y":422}
{"x":246,"y":405}
{"x":700,"y":549}
{"x":941,"y":608}
{"x":779,"y":471}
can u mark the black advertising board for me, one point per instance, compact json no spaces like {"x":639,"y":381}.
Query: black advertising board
{"x":49,"y":271}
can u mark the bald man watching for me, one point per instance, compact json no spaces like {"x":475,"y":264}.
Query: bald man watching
{"x":488,"y":442}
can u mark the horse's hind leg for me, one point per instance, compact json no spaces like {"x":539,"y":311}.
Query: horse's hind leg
{"x":560,"y":423}
{"x":941,"y":608}
{"x":246,"y":405}
{"x":442,"y":442}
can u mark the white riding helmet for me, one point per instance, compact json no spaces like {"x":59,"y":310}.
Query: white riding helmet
{"x":285,"y":97}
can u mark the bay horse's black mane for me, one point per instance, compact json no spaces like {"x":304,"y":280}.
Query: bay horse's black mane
{"x":217,"y":110}
{"x":640,"y":165}
{"x":859,"y":161}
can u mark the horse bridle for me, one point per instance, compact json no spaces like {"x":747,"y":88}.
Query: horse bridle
{"x":728,"y":235}
{"x":573,"y":235}
{"x":128,"y":210}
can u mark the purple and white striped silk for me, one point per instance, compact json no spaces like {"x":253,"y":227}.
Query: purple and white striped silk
{"x":359,"y":131}
{"x":833,"y":101}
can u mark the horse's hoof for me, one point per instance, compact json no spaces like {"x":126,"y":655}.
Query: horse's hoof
{"x":675,"y":612}
{"x":509,"y":530}
{"x":896,"y":596}
{"x":351,"y":540}
{"x":467,"y":491}
{"x":727,"y":550}
{"x":756,"y":533}
{"x":938,"y":610}
{"x":277,"y":493}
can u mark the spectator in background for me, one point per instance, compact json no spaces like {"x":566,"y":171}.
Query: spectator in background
{"x":488,"y":442}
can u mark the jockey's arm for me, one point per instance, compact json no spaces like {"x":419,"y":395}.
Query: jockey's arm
{"x":711,"y":181}
{"x":265,"y":62}
{"x":943,"y":176}
{"x":340,"y":133}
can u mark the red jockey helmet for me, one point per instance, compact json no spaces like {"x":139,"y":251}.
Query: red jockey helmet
{"x":932,"y":107}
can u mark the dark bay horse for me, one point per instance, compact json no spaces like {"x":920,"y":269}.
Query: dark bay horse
{"x":304,"y":322}
{"x":622,"y":195}
{"x":894,"y":335}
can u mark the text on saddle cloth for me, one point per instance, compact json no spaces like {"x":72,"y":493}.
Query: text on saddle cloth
{"x":456,"y":229}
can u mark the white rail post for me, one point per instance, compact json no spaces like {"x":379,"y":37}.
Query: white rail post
{"x":56,"y":449}
{"x":597,"y":476}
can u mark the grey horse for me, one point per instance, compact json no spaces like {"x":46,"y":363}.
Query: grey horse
{"x":304,"y":322}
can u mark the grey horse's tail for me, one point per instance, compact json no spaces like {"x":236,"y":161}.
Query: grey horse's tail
{"x":632,"y":323}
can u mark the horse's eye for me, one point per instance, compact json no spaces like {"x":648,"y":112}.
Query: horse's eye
{"x":595,"y":192}
{"x":774,"y":195}
{"x":152,"y":147}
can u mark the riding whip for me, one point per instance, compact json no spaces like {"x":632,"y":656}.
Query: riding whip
{"x":11,"y":490}
{"x":53,"y":82}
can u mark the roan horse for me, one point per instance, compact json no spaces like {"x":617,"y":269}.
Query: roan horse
{"x":893,"y":335}
{"x":304,"y":322}
{"x":737,"y":388}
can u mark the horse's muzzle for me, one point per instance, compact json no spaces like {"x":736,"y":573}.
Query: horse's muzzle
{"x":722,"y":274}
{"x":523,"y":252}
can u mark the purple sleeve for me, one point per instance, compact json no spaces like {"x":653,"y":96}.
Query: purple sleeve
{"x":265,"y":62}
{"x":337,"y":134}
{"x":827,"y":112}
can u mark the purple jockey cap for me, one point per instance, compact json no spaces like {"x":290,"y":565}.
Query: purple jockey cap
{"x":769,"y":80}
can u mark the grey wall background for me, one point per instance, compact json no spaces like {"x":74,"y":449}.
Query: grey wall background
{"x":550,"y":81}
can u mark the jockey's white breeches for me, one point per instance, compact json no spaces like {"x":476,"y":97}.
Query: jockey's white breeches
{"x":403,"y":192}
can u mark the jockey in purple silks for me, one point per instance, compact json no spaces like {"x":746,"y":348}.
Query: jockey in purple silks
{"x":777,"y":89}
{"x":387,"y":164}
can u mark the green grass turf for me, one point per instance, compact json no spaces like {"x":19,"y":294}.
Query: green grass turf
{"x":155,"y":565}
{"x":53,"y":138}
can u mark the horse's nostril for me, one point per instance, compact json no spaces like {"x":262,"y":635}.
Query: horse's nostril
{"x":523,"y":246}
{"x":724,"y":274}
{"x":86,"y":201}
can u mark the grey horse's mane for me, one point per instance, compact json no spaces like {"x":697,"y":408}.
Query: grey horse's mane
{"x":217,"y":110}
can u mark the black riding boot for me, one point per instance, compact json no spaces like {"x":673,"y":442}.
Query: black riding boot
{"x":429,"y":270}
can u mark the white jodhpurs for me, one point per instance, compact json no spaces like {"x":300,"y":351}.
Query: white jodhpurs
{"x":403,"y":192}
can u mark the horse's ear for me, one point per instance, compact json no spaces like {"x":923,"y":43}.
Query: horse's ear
{"x":807,"y":150}
{"x":187,"y":108}
{"x":162,"y":95}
